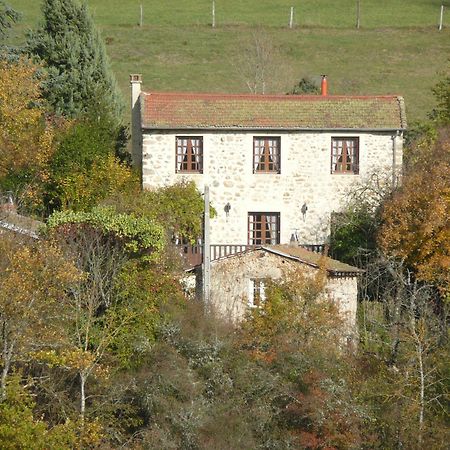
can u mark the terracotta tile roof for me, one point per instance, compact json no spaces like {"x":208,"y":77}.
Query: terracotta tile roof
{"x":313,"y":259}
{"x":232,"y":111}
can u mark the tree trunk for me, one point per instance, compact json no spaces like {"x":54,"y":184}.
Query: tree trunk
{"x":82,"y":395}
{"x":7,"y":356}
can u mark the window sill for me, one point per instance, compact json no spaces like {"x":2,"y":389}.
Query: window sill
{"x":187,"y":172}
{"x":344,"y":173}
{"x":266,"y":173}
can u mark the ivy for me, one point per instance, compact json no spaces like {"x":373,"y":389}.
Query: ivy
{"x":138,"y":234}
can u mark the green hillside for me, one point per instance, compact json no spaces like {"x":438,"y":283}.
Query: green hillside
{"x":398,"y":48}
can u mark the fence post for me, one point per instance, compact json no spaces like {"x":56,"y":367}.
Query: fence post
{"x":358,"y":14}
{"x":441,"y":17}
{"x":213,"y":14}
{"x":291,"y":18}
{"x":141,"y":18}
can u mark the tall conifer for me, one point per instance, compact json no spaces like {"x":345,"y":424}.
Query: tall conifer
{"x":79,"y":77}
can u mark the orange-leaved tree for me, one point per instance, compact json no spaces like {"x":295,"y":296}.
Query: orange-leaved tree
{"x":416,"y":225}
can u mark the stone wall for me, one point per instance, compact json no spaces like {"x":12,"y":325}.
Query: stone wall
{"x":230,"y":283}
{"x":305,"y":178}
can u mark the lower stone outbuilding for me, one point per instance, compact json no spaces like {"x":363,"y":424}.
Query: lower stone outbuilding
{"x":238,"y":280}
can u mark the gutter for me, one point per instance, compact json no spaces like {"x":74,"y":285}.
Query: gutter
{"x":236,"y":128}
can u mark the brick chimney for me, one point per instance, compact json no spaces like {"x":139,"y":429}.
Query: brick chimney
{"x":136,"y":152}
{"x":324,"y":86}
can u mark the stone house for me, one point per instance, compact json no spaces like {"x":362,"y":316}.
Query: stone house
{"x":238,"y":280}
{"x":277,"y":166}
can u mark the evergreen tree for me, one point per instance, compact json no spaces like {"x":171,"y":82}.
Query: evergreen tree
{"x":70,"y":47}
{"x":8,"y":16}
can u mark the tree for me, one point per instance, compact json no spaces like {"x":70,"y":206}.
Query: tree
{"x":70,"y":48}
{"x":404,"y":349}
{"x":299,"y":335}
{"x":8,"y":16}
{"x":305,"y":86}
{"x":415,"y":221}
{"x":441,"y":91}
{"x":178,"y":208}
{"x":100,"y":243}
{"x":27,"y":136}
{"x":33,"y":284}
{"x":83,"y":170}
{"x":258,"y":64}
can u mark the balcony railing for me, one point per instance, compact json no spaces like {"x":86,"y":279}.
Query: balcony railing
{"x":193,"y":254}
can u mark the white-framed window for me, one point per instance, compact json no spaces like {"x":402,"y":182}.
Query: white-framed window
{"x":256,"y":292}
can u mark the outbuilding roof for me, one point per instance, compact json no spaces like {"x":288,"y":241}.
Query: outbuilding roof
{"x":334,"y":267}
{"x":271,"y":112}
{"x":300,"y":254}
{"x":17,"y":223}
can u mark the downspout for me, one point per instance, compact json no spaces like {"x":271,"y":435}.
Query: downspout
{"x":394,"y":159}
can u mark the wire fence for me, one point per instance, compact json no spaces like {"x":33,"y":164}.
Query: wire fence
{"x":346,"y":14}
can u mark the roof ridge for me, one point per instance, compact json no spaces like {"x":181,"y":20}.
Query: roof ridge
{"x":271,"y":96}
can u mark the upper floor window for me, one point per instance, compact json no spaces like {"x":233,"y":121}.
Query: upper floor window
{"x":263,"y":228}
{"x":345,"y":155}
{"x":189,"y":154}
{"x":266,"y":154}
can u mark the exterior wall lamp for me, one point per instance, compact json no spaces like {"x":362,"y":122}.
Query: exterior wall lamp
{"x":303,"y":210}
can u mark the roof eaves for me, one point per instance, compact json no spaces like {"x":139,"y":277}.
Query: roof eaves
{"x":254,"y":128}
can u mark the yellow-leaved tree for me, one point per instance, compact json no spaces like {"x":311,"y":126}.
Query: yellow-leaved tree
{"x":26,"y":136}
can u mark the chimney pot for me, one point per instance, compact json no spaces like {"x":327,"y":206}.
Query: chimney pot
{"x":324,"y":86}
{"x":135,"y":78}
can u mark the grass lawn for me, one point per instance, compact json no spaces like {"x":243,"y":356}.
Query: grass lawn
{"x":397,"y":50}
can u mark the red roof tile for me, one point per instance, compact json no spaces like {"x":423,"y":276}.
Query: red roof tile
{"x":232,"y":111}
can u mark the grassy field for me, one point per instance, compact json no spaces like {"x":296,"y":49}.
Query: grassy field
{"x":398,"y":48}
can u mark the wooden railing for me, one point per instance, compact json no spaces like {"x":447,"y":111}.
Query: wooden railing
{"x":222,"y":250}
{"x":316,"y":248}
{"x":193,"y":254}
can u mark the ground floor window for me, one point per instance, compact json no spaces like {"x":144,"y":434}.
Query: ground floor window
{"x":263,"y":228}
{"x":257,"y":292}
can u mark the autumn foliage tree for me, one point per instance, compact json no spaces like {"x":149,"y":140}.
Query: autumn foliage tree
{"x":33,"y":285}
{"x":27,"y":137}
{"x":415,"y":220}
